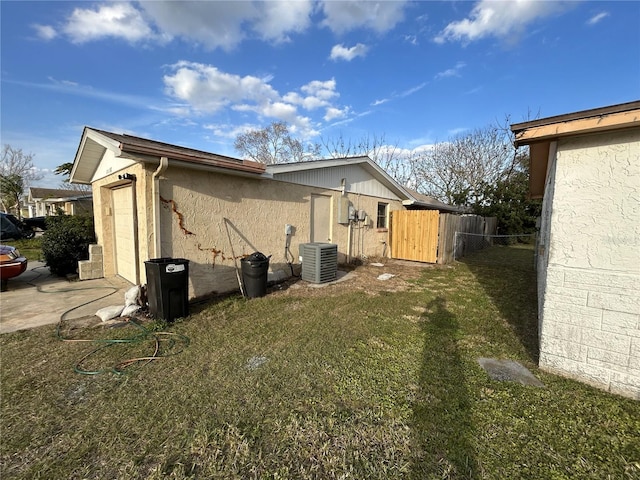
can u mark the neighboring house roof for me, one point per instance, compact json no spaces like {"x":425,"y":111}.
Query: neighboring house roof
{"x":95,"y":142}
{"x":539,"y":134}
{"x":409,"y":198}
{"x":433,"y":203}
{"x":55,"y":194}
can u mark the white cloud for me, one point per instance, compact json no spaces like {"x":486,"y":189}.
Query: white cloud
{"x":211,"y":24}
{"x":597,"y":18}
{"x":412,"y":39}
{"x":412,"y":90}
{"x":204,"y":89}
{"x":332,"y":113}
{"x":318,"y":94}
{"x":118,"y":20}
{"x":323,"y":90}
{"x":451,"y":72}
{"x":207,"y":89}
{"x":498,"y":18}
{"x":379,"y":16}
{"x":375,"y":103}
{"x":222,"y":24}
{"x":226,"y":130}
{"x":340,"y":52}
{"x":45,"y":32}
{"x":277,"y":19}
{"x":405,"y":93}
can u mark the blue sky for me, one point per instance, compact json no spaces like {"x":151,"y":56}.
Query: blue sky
{"x":199,"y":73}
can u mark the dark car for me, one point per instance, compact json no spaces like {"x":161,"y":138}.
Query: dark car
{"x":12,"y":227}
{"x":12,"y":264}
{"x":8,"y":229}
{"x":35,"y":222}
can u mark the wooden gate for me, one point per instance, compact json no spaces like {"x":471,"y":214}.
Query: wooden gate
{"x":414,"y":235}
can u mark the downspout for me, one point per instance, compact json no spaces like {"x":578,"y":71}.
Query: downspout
{"x":164,"y":164}
{"x":134,"y":203}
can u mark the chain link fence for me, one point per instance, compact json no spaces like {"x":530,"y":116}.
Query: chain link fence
{"x":467,"y":243}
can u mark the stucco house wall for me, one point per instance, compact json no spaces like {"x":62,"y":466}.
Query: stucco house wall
{"x":256,"y":210}
{"x":154,"y":200}
{"x":589,"y":261}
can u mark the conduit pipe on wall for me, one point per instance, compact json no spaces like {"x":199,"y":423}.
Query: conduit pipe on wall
{"x":349,"y":243}
{"x":164,"y":164}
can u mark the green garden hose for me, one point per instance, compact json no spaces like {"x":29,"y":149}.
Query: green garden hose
{"x":144,"y":335}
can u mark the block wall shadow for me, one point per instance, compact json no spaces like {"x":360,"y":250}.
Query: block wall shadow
{"x":508,"y":277}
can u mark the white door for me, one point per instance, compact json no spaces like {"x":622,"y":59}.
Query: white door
{"x":320,"y":218}
{"x":123,"y":233}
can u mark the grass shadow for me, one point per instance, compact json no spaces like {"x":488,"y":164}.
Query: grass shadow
{"x":443,"y":432}
{"x":507,"y":276}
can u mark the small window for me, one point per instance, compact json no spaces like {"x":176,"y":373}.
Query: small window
{"x":382,"y":215}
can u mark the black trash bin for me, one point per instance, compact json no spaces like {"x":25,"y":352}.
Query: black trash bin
{"x":168,"y":287}
{"x":254,"y":274}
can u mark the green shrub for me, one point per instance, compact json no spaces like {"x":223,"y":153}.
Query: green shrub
{"x":66,"y":241}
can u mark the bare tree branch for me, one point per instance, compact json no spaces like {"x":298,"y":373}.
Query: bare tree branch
{"x":16,"y":173}
{"x":274,"y":144}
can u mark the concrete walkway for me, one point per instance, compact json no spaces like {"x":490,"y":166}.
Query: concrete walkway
{"x":38,"y":298}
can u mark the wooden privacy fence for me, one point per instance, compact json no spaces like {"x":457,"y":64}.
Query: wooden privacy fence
{"x":414,"y":235}
{"x":428,"y":236}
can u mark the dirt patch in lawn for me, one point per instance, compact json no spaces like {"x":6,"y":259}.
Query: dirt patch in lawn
{"x":370,"y":278}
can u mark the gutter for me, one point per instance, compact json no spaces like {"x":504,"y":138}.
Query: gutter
{"x":219,"y":161}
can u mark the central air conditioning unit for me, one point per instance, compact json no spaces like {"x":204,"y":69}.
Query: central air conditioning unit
{"x":319,"y":262}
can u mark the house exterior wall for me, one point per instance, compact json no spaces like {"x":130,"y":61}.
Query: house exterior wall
{"x":589,"y":262}
{"x":257,"y":210}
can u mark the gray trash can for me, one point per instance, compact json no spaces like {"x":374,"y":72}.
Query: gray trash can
{"x":254,"y":274}
{"x":168,"y":287}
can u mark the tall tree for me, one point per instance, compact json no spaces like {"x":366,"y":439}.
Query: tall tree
{"x":274,"y":144}
{"x":457,"y":171}
{"x":16,"y":173}
{"x":398,"y":163}
{"x":508,"y":200}
{"x":65,"y":170}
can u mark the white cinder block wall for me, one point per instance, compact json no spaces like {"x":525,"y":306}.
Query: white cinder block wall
{"x":589,"y":262}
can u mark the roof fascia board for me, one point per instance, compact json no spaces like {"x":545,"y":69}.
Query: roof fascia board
{"x":315,"y":164}
{"x":594,"y":112}
{"x":106,"y":142}
{"x":534,"y":132}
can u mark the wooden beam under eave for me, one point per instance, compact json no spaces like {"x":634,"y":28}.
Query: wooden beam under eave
{"x":599,"y":123}
{"x":538,"y":158}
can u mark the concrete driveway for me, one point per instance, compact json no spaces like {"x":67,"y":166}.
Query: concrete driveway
{"x":38,"y":298}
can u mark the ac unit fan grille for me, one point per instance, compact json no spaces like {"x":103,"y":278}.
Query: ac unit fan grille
{"x":319,"y":262}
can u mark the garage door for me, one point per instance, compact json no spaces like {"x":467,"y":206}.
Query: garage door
{"x":123,"y":233}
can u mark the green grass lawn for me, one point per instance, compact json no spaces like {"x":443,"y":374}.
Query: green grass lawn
{"x":344,"y":383}
{"x":29,"y":248}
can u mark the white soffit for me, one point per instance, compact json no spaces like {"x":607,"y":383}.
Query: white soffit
{"x":90,"y":153}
